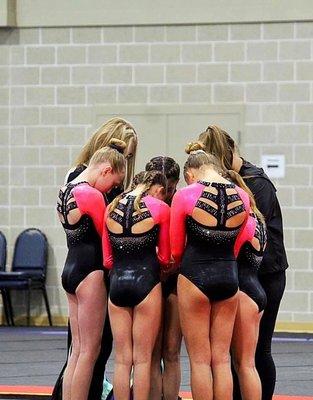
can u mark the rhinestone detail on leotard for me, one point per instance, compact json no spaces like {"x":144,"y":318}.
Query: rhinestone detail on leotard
{"x":128,"y":242}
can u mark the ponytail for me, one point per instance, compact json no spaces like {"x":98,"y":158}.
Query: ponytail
{"x":219,"y":143}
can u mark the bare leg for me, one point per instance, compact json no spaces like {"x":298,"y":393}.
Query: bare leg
{"x":91,"y":298}
{"x":222,"y":324}
{"x":171,"y":349}
{"x":194,"y":312}
{"x":74,"y":352}
{"x":244,"y":342}
{"x":156,"y":374}
{"x":121,"y":324}
{"x":146,"y":325}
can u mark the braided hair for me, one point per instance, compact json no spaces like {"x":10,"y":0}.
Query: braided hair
{"x":165,"y":164}
{"x":149,"y":179}
{"x":138,"y":178}
{"x":169,"y":167}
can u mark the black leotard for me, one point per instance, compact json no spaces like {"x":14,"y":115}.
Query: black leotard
{"x":83,"y":241}
{"x":136,"y":267}
{"x":208,"y":261}
{"x":249,"y":261}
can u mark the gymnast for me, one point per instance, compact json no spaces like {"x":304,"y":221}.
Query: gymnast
{"x":81,"y":210}
{"x":135,"y":245}
{"x":210,"y":213}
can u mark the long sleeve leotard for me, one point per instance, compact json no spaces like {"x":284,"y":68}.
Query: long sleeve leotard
{"x":84,"y":236}
{"x":135,"y":255}
{"x":206,"y":219}
{"x":250,"y":249}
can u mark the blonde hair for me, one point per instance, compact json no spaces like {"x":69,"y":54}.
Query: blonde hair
{"x":114,"y":128}
{"x":149,"y":179}
{"x":113,"y":154}
{"x":219,"y":143}
{"x":198,"y":157}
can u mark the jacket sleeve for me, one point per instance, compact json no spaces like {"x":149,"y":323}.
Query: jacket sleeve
{"x":264,"y":194}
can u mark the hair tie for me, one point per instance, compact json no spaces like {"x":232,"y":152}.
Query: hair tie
{"x":197,"y":151}
{"x":116,"y":147}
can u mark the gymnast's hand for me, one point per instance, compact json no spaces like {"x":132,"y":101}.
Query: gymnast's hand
{"x":169,"y":270}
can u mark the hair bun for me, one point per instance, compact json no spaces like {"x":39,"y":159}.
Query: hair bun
{"x":117,"y":144}
{"x":194,"y":146}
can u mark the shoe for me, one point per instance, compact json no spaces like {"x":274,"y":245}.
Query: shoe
{"x":107,"y":389}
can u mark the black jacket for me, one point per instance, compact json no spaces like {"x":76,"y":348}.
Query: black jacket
{"x":264,"y":192}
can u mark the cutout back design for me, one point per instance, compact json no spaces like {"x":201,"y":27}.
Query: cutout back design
{"x":217,"y":217}
{"x":219,"y":204}
{"x":128,"y":242}
{"x":127,"y":217}
{"x":65,"y":205}
{"x":260,"y":236}
{"x":251,"y":254}
{"x":83,"y":230}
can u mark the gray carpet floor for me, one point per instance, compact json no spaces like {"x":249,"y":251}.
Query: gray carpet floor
{"x":34,"y":356}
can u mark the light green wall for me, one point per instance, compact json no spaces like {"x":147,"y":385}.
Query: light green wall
{"x":57,"y":84}
{"x":35,"y":13}
{"x":7,"y":13}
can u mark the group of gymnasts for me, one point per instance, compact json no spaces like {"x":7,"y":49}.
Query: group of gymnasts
{"x":205,"y":262}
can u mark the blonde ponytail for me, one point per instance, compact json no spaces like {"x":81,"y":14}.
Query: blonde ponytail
{"x":219,"y":143}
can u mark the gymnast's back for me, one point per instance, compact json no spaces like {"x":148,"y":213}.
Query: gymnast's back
{"x":135,"y":244}
{"x":206,"y":219}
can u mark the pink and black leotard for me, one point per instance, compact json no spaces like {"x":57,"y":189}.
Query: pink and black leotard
{"x":207,"y":257}
{"x":83,"y":237}
{"x":250,"y":249}
{"x":135,"y":258}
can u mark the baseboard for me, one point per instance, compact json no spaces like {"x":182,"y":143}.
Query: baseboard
{"x":61,"y":320}
{"x":294,"y":327}
{"x":41,"y":320}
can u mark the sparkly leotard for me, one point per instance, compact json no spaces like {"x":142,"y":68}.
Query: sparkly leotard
{"x":208,"y":256}
{"x":83,"y":237}
{"x":135,"y":261}
{"x":249,"y":259}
